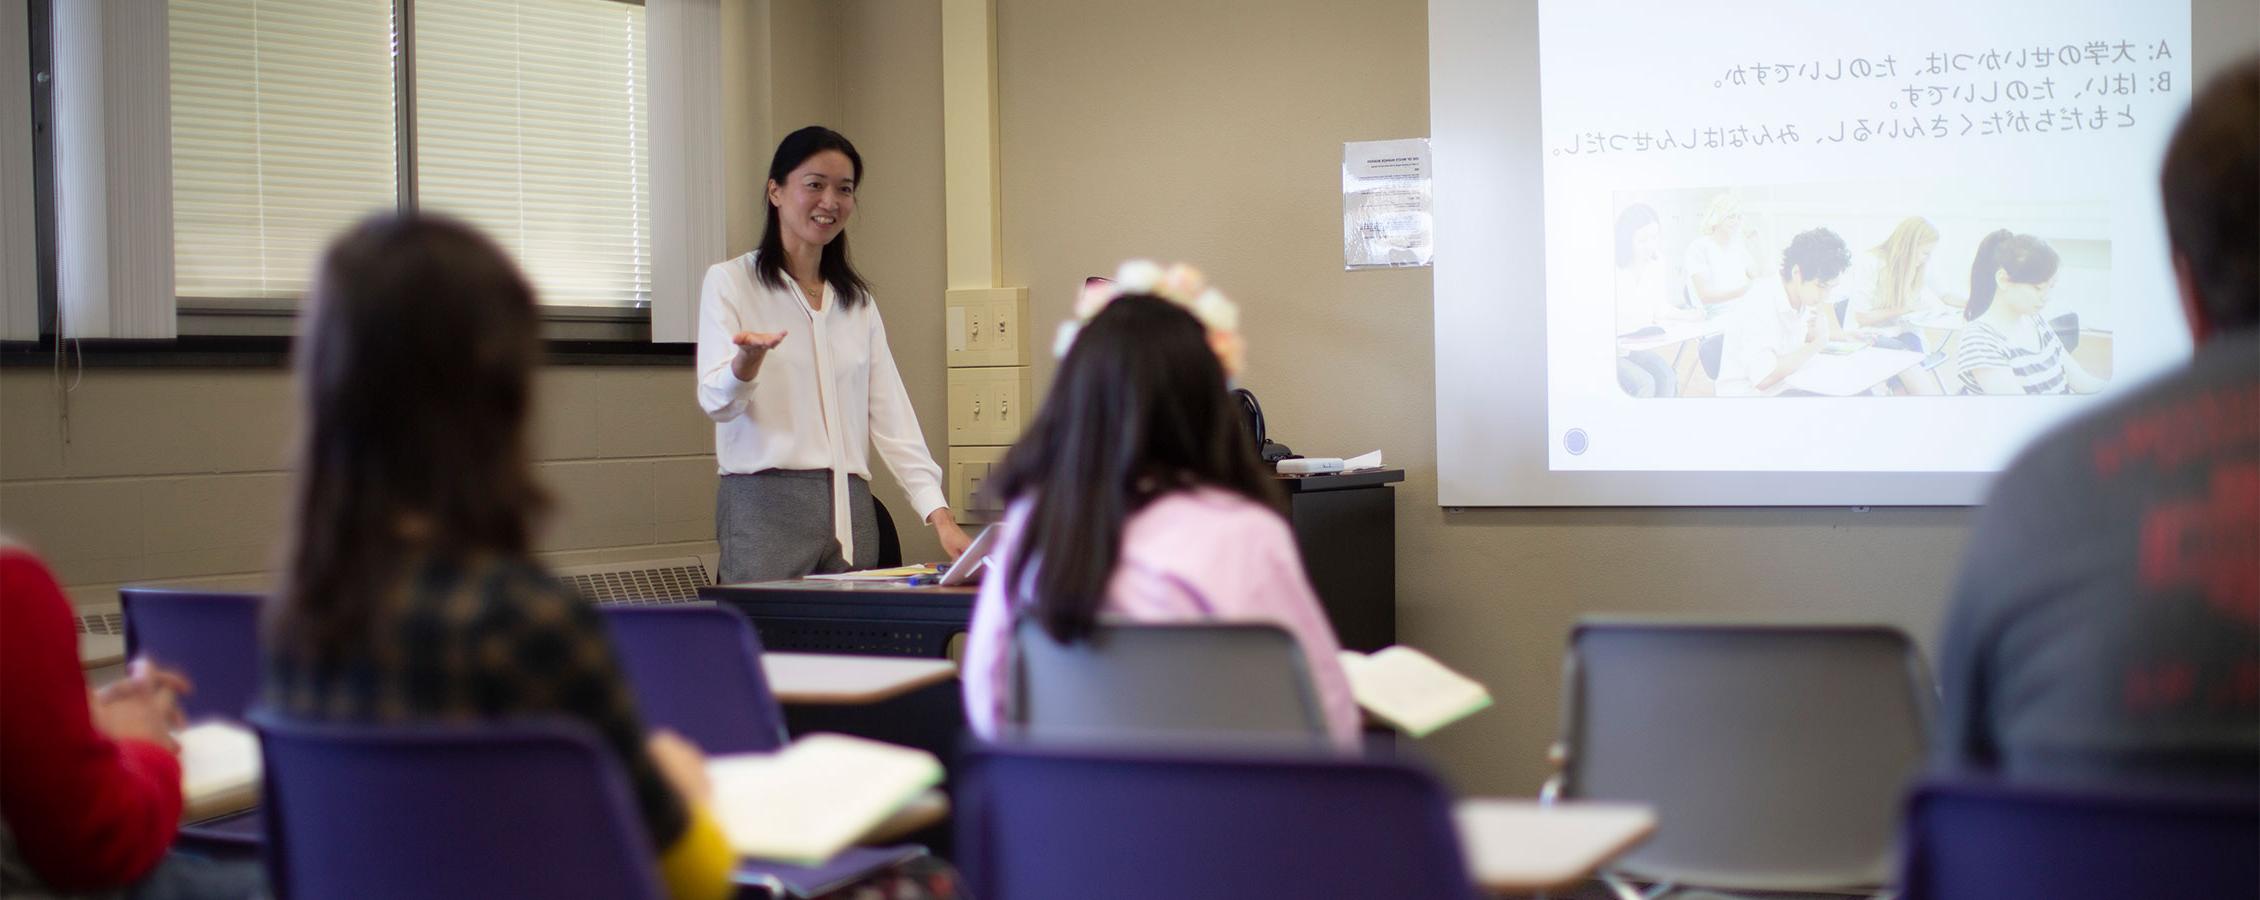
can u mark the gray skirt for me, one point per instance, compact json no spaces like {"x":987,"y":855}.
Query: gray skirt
{"x":777,"y":523}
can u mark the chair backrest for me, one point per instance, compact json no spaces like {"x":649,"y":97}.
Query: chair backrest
{"x":697,"y":669}
{"x":1709,"y":351}
{"x":1966,"y":841}
{"x":1774,"y":755}
{"x":1201,"y":681}
{"x":890,"y":543}
{"x":1046,"y":821}
{"x":2067,"y":328}
{"x":504,"y":809}
{"x":213,"y":636}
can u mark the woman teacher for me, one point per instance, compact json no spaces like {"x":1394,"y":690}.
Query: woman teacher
{"x":793,"y":368}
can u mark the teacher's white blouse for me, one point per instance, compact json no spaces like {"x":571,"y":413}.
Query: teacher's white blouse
{"x":821,"y":398}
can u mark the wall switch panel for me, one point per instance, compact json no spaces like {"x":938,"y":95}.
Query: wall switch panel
{"x":988,"y":406}
{"x":971,"y":497}
{"x":986,"y":326}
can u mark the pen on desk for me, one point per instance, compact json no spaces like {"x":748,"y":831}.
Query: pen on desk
{"x":921,"y":580}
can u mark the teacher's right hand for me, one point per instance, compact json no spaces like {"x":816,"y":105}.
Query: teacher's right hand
{"x":753,"y":347}
{"x":757,"y":342}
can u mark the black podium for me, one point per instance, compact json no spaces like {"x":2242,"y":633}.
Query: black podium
{"x":1346,"y":527}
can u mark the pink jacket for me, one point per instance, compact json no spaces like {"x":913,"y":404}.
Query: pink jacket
{"x":1203,"y":554}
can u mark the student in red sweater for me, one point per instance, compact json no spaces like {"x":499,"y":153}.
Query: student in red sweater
{"x":90,"y":791}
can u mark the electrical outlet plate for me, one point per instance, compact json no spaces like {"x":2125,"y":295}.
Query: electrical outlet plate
{"x":985,"y":326}
{"x":969,"y":471}
{"x":987,"y":406}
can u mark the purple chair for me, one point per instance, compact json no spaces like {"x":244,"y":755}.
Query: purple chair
{"x":1971,"y":840}
{"x":1041,"y":821}
{"x":697,"y":669}
{"x":517,"y":809}
{"x":213,"y":636}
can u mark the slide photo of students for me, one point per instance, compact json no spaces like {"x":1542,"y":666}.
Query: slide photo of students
{"x":1722,"y":259}
{"x":1785,"y":322}
{"x":1907,"y":286}
{"x":2009,"y":347}
{"x":1891,"y":282}
{"x":1649,"y":314}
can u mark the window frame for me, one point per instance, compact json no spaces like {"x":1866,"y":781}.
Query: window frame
{"x":246,"y":331}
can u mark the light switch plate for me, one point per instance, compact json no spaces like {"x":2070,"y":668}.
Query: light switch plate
{"x":987,"y":326}
{"x":988,"y":406}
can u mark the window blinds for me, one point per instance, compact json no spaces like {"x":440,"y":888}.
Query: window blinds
{"x":283,"y":134}
{"x":530,"y":122}
{"x":531,"y":118}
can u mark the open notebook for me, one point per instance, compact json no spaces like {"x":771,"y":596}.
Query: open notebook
{"x":814,"y":798}
{"x":1411,"y":690}
{"x":219,"y":764}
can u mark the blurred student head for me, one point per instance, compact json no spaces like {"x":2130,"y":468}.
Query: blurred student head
{"x":415,"y":369}
{"x":1811,"y":264}
{"x":1137,"y":408}
{"x":2211,"y":187}
{"x":2017,"y":270}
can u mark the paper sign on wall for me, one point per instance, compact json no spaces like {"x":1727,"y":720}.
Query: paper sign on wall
{"x":1386,"y":220}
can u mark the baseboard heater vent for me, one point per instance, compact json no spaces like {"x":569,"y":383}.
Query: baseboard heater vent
{"x":647,"y":582}
{"x":102,"y":623}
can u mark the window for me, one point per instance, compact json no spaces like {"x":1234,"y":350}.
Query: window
{"x":530,"y":123}
{"x":293,"y":118}
{"x":283,"y":133}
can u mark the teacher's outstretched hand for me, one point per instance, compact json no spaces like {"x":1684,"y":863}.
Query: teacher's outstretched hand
{"x":753,"y":347}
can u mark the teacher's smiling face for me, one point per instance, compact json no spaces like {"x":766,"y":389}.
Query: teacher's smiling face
{"x":814,"y":201}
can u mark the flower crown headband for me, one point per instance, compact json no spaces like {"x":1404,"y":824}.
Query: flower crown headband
{"x":1179,"y":284}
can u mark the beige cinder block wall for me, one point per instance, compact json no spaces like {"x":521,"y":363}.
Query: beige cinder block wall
{"x":181,"y":474}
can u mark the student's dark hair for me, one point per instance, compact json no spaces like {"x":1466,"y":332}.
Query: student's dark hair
{"x":2027,"y":259}
{"x":1817,"y":255}
{"x":2211,"y":187}
{"x":1629,"y":223}
{"x":1136,"y":410}
{"x":415,"y":375}
{"x":769,"y":265}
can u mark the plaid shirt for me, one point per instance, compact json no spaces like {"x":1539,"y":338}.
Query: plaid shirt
{"x":490,"y":639}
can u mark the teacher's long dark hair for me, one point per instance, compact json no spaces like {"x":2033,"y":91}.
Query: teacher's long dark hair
{"x":769,"y":266}
{"x":1136,"y":410}
{"x":415,"y":365}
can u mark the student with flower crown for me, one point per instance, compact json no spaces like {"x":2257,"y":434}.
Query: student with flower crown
{"x":1135,"y":495}
{"x":794,"y":369}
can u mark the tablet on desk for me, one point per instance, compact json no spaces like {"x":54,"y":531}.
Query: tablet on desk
{"x":967,"y":569}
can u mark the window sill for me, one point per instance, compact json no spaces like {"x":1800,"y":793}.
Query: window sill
{"x":204,"y":318}
{"x":257,"y":334}
{"x":272,"y":351}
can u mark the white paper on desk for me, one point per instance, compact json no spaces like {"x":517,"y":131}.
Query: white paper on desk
{"x":220,"y":768}
{"x":811,"y":800}
{"x":897,"y":573}
{"x":1362,"y":461}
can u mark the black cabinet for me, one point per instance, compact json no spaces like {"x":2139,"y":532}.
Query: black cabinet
{"x":1346,"y":527}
